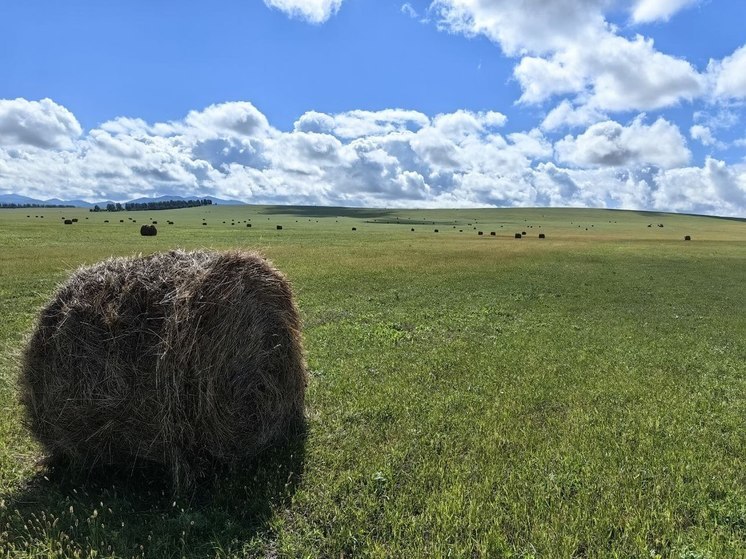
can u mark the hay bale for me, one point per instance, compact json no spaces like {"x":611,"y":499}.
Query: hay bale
{"x":436,"y":231}
{"x":688,"y":238}
{"x":154,"y":222}
{"x":148,"y":231}
{"x":248,"y":225}
{"x":279,"y":227}
{"x":121,"y":221}
{"x":354,"y":228}
{"x":518,"y":236}
{"x":75,"y":220}
{"x":542,"y":236}
{"x":493,"y":234}
{"x":68,"y":222}
{"x":106,"y":221}
{"x":186,"y":359}
{"x":480,"y":233}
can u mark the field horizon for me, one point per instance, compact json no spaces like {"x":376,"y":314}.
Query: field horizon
{"x":581,"y":395}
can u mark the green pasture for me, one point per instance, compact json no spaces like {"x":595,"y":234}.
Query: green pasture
{"x":578,"y":396}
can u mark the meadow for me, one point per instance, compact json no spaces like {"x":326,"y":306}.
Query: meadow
{"x":581,"y":396}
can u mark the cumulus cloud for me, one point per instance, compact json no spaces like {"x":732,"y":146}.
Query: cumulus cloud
{"x":729,"y":75}
{"x":702,"y":134}
{"x":646,"y":11}
{"x":609,"y":144}
{"x":713,"y":188}
{"x":356,"y":124}
{"x":314,"y":11}
{"x":568,"y":49}
{"x":41,"y":124}
{"x":521,"y":26}
{"x":392,"y":158}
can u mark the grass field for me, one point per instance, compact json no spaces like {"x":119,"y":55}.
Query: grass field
{"x":471,"y":396}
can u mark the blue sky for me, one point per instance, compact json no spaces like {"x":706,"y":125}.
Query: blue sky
{"x":626,"y":103}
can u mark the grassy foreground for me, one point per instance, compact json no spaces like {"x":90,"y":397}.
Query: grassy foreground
{"x":471,"y":396}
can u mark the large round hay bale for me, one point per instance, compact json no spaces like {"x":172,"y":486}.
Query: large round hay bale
{"x":187,"y":359}
{"x":148,"y":230}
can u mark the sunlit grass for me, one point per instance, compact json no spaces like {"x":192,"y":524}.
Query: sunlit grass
{"x":579,"y":396}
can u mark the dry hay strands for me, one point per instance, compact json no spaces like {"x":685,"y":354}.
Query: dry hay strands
{"x":186,"y":359}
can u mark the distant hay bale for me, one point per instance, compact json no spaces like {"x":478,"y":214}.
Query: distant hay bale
{"x":523,"y":233}
{"x":436,"y":231}
{"x":148,"y":231}
{"x":493,"y":234}
{"x":480,"y":233}
{"x":518,"y":236}
{"x":106,"y":221}
{"x":354,"y":228}
{"x":186,"y":359}
{"x":542,"y":236}
{"x":154,"y":222}
{"x":75,"y":220}
{"x":279,"y":227}
{"x":121,"y":221}
{"x":248,"y":225}
{"x":688,"y":238}
{"x":412,"y":229}
{"x":68,"y":222}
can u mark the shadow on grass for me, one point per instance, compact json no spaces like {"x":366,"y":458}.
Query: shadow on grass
{"x":322,"y":211}
{"x":133,"y":513}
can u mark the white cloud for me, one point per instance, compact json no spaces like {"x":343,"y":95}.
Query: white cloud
{"x":609,"y":144}
{"x":392,"y":158}
{"x":702,"y":134}
{"x":567,"y":115}
{"x":645,"y":11}
{"x":42,"y":124}
{"x":713,"y":188}
{"x":314,"y":11}
{"x":356,"y":124}
{"x":409,"y":10}
{"x":729,"y":75}
{"x":567,"y":48}
{"x":524,"y":26}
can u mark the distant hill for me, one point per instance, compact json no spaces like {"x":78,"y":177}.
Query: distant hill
{"x":18,"y":199}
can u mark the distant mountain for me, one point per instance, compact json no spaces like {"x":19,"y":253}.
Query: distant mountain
{"x":18,"y":199}
{"x":77,"y":203}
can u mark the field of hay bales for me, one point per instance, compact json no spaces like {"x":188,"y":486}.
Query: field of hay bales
{"x":579,"y":395}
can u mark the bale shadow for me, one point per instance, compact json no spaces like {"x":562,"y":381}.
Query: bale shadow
{"x":132,"y":512}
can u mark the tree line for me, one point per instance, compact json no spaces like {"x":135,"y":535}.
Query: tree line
{"x":10,"y":206}
{"x":141,"y":206}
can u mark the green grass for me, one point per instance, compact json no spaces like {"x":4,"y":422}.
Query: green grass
{"x":470,"y":396}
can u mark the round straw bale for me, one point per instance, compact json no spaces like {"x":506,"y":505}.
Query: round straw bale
{"x":187,"y":359}
{"x":68,"y":222}
{"x":518,"y":235}
{"x":688,"y":238}
{"x":542,"y":236}
{"x":148,"y":230}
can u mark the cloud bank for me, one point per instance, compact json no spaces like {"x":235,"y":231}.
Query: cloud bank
{"x":393,"y":158}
